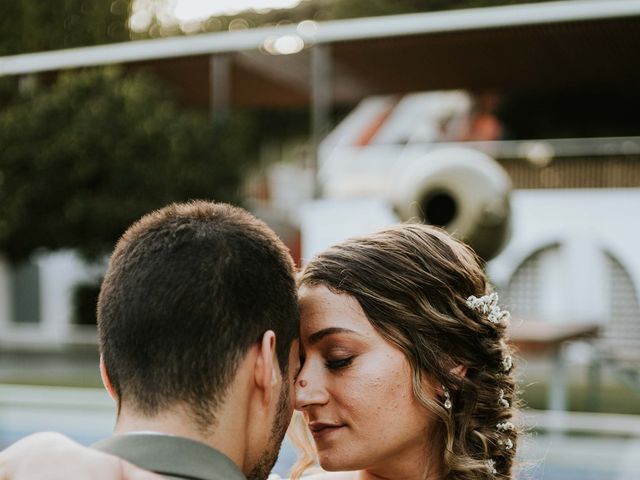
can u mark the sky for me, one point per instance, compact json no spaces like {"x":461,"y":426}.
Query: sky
{"x":188,"y":10}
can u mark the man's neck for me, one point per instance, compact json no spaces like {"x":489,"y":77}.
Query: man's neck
{"x":177,"y":421}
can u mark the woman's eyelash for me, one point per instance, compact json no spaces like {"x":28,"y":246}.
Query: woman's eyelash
{"x":339,"y":363}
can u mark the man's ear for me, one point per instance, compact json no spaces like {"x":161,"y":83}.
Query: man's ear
{"x":105,"y":379}
{"x":266,"y":365}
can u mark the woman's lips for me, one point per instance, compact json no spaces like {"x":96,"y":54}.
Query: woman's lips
{"x":320,"y":429}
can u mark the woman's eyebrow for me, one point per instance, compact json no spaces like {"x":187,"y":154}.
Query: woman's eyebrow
{"x":320,"y":334}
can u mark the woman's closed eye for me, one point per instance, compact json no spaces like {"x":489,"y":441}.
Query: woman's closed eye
{"x":339,"y":363}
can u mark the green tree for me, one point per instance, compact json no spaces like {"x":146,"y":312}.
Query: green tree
{"x":32,"y":26}
{"x":35,"y":25}
{"x":365,"y":8}
{"x":84,"y":158}
{"x":319,"y":10}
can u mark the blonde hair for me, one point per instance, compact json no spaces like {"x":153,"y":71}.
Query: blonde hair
{"x":301,"y":438}
{"x":413,"y":282}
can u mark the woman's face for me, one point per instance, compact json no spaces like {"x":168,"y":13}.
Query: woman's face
{"x":355,"y":389}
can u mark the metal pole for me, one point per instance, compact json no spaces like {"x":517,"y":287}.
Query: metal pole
{"x":558,"y":384}
{"x":219,"y":86}
{"x":321,"y":99}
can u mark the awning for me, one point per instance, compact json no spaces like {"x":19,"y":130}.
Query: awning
{"x":568,"y":44}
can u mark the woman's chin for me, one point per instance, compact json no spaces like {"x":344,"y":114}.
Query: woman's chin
{"x":331,"y":463}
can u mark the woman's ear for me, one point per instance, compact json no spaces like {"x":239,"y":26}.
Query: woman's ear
{"x":459,"y":371}
{"x":105,"y":379}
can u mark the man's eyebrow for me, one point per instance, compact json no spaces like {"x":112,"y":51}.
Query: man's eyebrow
{"x":320,"y":334}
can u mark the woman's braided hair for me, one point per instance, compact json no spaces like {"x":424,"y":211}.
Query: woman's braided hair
{"x":427,"y":294}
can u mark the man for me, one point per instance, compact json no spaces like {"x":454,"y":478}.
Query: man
{"x":196,"y":318}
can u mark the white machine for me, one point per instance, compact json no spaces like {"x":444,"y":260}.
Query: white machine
{"x":393,"y":160}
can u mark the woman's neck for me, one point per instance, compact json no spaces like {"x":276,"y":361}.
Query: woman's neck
{"x":397,"y":475}
{"x":411,"y":466}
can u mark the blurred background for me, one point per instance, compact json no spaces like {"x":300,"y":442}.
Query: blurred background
{"x":512,"y":124}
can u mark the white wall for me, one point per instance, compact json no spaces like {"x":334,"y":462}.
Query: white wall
{"x":59,"y":272}
{"x":586,"y":224}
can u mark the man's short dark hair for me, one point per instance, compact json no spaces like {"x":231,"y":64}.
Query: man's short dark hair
{"x":189,"y":289}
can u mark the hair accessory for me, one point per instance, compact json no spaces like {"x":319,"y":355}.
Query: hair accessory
{"x":492,"y":466}
{"x":505,"y":427}
{"x":507,"y":363}
{"x":508,"y":444}
{"x":503,"y":401}
{"x":488,"y":305}
{"x":447,"y":398}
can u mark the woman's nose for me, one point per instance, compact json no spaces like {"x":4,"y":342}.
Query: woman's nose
{"x":309,"y":389}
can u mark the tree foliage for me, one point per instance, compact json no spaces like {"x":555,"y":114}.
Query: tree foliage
{"x":84,"y":158}
{"x":366,"y":8}
{"x":319,"y":10}
{"x":36,"y":25}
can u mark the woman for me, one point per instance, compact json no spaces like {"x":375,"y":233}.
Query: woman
{"x":405,"y":372}
{"x":404,"y":369}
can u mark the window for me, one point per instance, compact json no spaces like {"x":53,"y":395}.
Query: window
{"x":525,"y":292}
{"x":623,"y":324}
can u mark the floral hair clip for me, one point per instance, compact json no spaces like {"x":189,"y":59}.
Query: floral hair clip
{"x":507,"y":363}
{"x":505,"y":426}
{"x":503,"y":402}
{"x":491,"y":464}
{"x":507,"y":443}
{"x":488,"y":305}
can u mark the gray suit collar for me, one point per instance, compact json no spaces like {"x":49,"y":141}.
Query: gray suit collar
{"x":176,"y":457}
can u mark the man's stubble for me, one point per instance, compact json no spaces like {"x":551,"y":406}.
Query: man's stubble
{"x":280,"y":424}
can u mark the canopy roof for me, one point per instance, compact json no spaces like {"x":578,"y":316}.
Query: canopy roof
{"x":566,"y":44}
